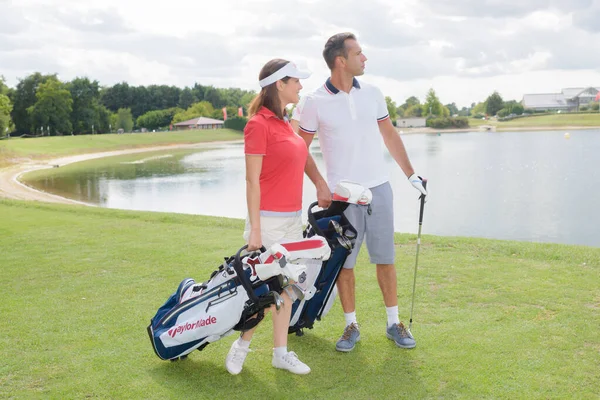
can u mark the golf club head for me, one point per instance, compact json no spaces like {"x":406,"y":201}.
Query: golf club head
{"x":344,"y":242}
{"x":337,"y":227}
{"x":350,"y":234}
{"x":278,"y":300}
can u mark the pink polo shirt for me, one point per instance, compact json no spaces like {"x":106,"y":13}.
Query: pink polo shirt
{"x":284,"y":158}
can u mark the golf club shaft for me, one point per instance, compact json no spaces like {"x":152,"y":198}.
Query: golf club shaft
{"x":415,"y":278}
{"x":422,"y":207}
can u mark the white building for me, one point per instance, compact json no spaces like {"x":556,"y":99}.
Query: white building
{"x":410,"y":122}
{"x":200,"y":123}
{"x":568,"y":99}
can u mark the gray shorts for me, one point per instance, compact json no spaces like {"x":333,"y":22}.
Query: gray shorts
{"x":377,"y":228}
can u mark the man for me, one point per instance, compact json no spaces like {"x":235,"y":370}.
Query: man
{"x":352,"y":123}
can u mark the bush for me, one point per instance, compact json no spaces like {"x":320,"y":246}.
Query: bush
{"x":157,"y":119}
{"x":236,"y":123}
{"x":503,"y":113}
{"x":448,"y":122}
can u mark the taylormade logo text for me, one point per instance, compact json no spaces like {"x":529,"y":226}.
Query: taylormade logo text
{"x":191,"y":326}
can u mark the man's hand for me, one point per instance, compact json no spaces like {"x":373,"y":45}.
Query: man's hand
{"x":417,"y":183}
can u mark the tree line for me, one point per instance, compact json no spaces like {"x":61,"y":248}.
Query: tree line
{"x":42,"y":104}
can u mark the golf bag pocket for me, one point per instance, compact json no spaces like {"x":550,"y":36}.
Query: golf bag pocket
{"x":197,"y":321}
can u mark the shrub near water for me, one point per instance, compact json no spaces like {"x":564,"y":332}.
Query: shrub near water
{"x":448,"y":122}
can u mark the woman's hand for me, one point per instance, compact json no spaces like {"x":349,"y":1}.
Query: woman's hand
{"x":255,"y":240}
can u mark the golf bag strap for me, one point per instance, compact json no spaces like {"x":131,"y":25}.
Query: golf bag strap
{"x":248,"y":323}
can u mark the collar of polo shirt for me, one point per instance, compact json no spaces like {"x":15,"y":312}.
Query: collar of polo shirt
{"x":333,"y":90}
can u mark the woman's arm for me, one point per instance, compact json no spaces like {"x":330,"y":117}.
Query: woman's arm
{"x":253,"y":168}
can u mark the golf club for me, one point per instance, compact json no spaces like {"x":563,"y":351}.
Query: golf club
{"x":342,"y":240}
{"x":422,"y":199}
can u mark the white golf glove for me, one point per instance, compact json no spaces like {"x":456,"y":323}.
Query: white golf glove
{"x":417,"y":182}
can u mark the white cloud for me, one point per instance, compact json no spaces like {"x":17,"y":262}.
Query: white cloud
{"x":464,"y":50}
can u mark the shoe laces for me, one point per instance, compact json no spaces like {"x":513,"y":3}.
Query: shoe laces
{"x":239,"y":354}
{"x":402,"y":331}
{"x":291,"y":358}
{"x":348,"y":331}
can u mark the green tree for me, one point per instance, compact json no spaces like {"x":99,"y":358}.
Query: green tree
{"x":103,"y":118}
{"x":478,"y":109}
{"x":453,"y":110}
{"x":4,"y":89}
{"x":86,"y":96}
{"x":494,"y":103}
{"x":214,"y":97}
{"x":246,"y":99}
{"x":157,"y":119}
{"x":23,"y":98}
{"x":513,"y":107}
{"x":464,"y":112}
{"x":5,"y":109}
{"x":186,"y":98}
{"x":124,"y":120}
{"x":414,"y":111}
{"x":53,"y":107}
{"x":231,"y":112}
{"x":432,"y":105}
{"x":200,"y":109}
{"x":411,"y":101}
{"x":118,"y":96}
{"x":391,"y":106}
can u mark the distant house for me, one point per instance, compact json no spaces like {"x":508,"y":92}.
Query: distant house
{"x":567,"y":100}
{"x":200,"y":123}
{"x":410,"y":123}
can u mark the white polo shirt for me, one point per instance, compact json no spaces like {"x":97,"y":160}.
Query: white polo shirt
{"x":351,"y":143}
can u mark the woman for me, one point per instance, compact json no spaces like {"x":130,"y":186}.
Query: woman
{"x":275,"y":160}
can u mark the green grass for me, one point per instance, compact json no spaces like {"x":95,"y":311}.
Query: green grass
{"x":13,"y":149}
{"x":550,"y":121}
{"x":493,"y":319}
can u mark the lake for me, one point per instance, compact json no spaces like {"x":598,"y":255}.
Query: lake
{"x":528,"y":186}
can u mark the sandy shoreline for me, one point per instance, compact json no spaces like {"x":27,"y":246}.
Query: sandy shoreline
{"x":12,"y":188}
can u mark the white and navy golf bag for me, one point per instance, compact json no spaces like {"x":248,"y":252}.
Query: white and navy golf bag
{"x":233,"y":299}
{"x":332,"y":224}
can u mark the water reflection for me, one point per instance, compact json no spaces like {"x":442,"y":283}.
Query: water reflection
{"x":514,"y":185}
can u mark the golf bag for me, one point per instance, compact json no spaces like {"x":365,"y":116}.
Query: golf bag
{"x":233,"y":299}
{"x":332,"y":224}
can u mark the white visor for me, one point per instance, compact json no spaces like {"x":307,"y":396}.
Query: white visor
{"x":288,"y":69}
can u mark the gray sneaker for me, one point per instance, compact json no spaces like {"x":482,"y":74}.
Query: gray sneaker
{"x":348,"y":340}
{"x":401,"y":336}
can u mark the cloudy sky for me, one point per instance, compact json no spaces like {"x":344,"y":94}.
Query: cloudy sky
{"x":464,"y":49}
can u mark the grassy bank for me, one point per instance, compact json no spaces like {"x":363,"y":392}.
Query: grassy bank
{"x":493,"y":319}
{"x":14,"y":149}
{"x":550,"y":121}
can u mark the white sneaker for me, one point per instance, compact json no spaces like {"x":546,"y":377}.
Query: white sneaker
{"x":291,"y":363}
{"x":235,"y":358}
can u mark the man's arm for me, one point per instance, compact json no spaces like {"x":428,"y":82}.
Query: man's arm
{"x":312,"y":171}
{"x":395,"y":146}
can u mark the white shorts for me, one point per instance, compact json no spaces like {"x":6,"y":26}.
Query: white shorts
{"x":277,"y":229}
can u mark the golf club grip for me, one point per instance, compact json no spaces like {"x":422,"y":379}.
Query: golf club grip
{"x":422,"y":198}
